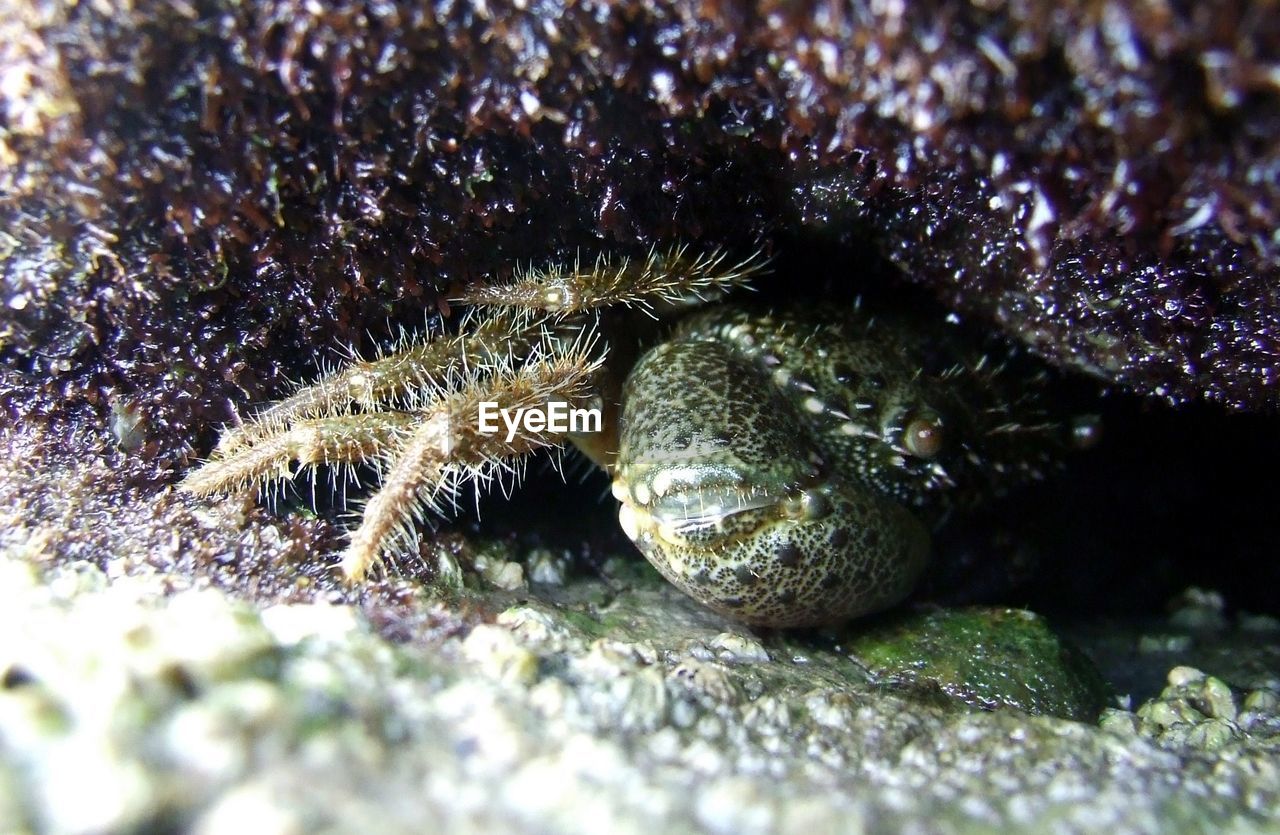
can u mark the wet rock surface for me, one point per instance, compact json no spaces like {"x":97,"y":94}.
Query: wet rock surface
{"x":987,"y":658}
{"x":131,"y":702}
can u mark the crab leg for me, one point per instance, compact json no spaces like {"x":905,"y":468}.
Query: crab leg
{"x":347,"y":439}
{"x":674,"y":278}
{"x":372,"y":385}
{"x":447,"y":447}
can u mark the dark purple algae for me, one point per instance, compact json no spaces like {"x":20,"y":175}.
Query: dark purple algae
{"x":199,"y":197}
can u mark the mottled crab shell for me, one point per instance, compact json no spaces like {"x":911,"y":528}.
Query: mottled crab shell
{"x":777,"y":467}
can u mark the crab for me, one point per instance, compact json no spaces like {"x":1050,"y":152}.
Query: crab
{"x":783,"y":466}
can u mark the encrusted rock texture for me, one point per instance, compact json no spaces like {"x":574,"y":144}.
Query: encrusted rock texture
{"x":151,"y":703}
{"x":198,"y":199}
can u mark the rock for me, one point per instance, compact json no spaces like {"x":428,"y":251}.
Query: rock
{"x":300,"y":716}
{"x":987,"y":658}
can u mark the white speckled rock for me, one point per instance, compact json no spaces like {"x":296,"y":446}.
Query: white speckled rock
{"x":141,"y":702}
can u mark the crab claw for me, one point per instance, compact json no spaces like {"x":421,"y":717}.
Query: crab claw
{"x":736,"y":507}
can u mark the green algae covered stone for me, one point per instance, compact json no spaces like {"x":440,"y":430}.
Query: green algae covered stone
{"x":985,"y":658}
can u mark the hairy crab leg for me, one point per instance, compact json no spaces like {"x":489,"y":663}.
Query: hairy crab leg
{"x":374,"y":384}
{"x":511,"y":327}
{"x":345,"y":439}
{"x":675,"y":278}
{"x":413,"y":412}
{"x":447,"y":448}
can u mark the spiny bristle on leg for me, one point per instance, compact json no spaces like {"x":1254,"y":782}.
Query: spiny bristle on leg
{"x":346,"y":439}
{"x":676,"y":277}
{"x":448,"y":447}
{"x":374,"y":384}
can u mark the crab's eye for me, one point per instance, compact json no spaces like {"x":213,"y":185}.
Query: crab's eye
{"x":923,"y":436}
